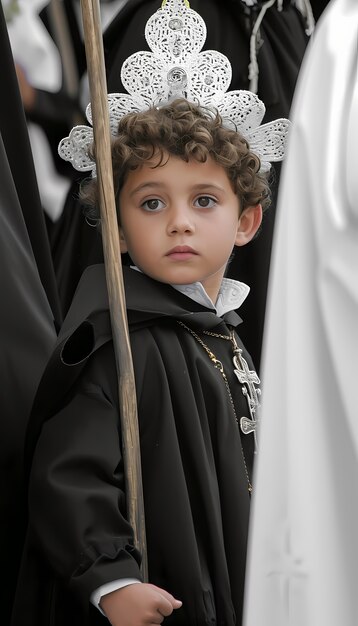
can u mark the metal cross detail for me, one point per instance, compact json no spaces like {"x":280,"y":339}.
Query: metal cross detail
{"x":248,"y":378}
{"x":292,"y":577}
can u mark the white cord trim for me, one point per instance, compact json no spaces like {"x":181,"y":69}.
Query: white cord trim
{"x":253,"y":65}
{"x":309,"y":18}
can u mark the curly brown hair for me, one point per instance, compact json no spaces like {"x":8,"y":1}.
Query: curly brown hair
{"x":187,"y":131}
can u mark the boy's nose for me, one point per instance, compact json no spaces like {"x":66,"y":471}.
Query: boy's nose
{"x":180,"y":222}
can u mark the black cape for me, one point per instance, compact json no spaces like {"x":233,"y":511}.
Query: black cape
{"x":193,"y":460}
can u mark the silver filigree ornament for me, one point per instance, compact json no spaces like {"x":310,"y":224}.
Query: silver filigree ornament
{"x":176,"y":68}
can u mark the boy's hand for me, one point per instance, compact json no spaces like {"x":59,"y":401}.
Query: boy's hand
{"x":138,"y":605}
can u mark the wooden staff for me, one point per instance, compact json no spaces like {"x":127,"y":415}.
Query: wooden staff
{"x":126,"y":383}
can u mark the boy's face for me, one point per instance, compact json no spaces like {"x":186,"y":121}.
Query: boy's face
{"x":180,"y":222}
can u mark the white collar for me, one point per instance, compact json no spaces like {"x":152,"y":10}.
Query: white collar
{"x":231,"y":295}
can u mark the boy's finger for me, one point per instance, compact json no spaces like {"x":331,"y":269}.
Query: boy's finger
{"x":167,"y":604}
{"x":177,"y":604}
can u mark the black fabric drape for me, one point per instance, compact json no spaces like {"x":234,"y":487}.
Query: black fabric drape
{"x":29,"y":307}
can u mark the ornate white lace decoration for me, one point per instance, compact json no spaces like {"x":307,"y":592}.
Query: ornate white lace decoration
{"x":175,"y":68}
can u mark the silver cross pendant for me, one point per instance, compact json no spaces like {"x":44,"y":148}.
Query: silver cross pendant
{"x":248,"y":378}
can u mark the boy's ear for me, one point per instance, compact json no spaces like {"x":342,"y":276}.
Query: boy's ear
{"x":248,"y":225}
{"x":122,"y":242}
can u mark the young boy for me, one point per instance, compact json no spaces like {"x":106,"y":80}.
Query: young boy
{"x":188,"y":189}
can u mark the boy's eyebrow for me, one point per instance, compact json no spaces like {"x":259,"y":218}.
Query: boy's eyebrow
{"x":144,"y":186}
{"x":156,"y":184}
{"x":208,"y":185}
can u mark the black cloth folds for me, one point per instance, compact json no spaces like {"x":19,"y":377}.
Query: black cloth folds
{"x":28,"y":312}
{"x":194,"y":476}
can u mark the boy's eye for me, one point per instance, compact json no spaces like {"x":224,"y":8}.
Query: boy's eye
{"x":153,"y":204}
{"x":205,"y":202}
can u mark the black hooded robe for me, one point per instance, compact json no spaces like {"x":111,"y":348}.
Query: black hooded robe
{"x":195,"y":464}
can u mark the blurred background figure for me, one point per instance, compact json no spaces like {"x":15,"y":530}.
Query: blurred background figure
{"x":47,"y":44}
{"x":48,"y":75}
{"x":303,"y":557}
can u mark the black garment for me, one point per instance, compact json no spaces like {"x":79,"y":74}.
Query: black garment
{"x":28,"y":288}
{"x":229,"y":26}
{"x":194,"y":476}
{"x":318,"y":6}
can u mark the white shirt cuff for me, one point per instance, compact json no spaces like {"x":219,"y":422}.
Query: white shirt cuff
{"x":97,"y":594}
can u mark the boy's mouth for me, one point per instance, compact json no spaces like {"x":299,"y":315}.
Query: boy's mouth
{"x":181,"y":253}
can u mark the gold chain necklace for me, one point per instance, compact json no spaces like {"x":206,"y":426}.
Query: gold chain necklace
{"x":241,"y":367}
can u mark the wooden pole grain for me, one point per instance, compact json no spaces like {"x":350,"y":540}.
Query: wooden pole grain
{"x":111,"y":248}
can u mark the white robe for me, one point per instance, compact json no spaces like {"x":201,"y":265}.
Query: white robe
{"x":303,"y":549}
